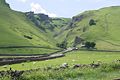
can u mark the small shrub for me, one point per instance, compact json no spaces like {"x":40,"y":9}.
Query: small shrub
{"x":89,"y":45}
{"x":93,"y":44}
{"x":92,"y":22}
{"x":28,"y":37}
{"x":62,"y":45}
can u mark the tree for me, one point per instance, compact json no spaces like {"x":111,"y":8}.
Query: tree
{"x":93,"y":44}
{"x":62,"y":45}
{"x":87,"y":45}
{"x":77,"y":41}
{"x":92,"y":22}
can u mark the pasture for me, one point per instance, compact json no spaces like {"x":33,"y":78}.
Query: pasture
{"x":74,"y":57}
{"x":27,"y":51}
{"x":48,"y":69}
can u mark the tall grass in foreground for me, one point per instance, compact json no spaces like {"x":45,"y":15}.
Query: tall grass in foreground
{"x":106,"y":71}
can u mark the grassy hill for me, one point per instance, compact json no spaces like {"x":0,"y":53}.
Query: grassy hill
{"x":29,"y":29}
{"x":105,"y":32}
{"x":100,"y":26}
{"x":17,"y":30}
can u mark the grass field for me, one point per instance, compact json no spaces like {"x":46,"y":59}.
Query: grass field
{"x":27,"y":51}
{"x":78,"y":57}
{"x":105,"y":72}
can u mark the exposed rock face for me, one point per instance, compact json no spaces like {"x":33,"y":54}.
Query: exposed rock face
{"x":43,"y":17}
{"x":44,"y":22}
{"x":75,"y":19}
{"x":78,"y":18}
{"x":38,"y":19}
{"x":30,"y":15}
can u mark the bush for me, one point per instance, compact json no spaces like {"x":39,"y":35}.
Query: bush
{"x":62,"y":45}
{"x":92,"y":45}
{"x":92,"y":22}
{"x":89,"y":45}
{"x":28,"y":37}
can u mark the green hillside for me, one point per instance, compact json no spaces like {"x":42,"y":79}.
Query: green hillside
{"x":17,"y":30}
{"x":105,"y":31}
{"x":29,"y":29}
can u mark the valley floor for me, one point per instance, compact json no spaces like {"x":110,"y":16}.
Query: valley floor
{"x":48,"y":69}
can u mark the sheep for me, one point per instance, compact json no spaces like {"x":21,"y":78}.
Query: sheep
{"x":73,"y":60}
{"x":34,"y":63}
{"x":64,"y":66}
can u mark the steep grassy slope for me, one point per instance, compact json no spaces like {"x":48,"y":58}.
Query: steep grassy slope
{"x":105,"y":33}
{"x":17,"y":30}
{"x":59,"y":23}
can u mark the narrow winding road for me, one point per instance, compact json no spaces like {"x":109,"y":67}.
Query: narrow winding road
{"x":36,"y":57}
